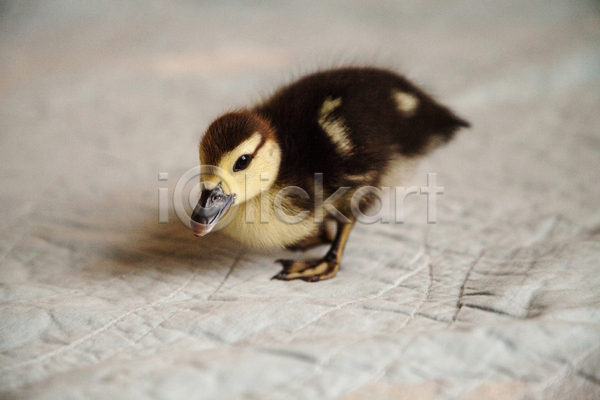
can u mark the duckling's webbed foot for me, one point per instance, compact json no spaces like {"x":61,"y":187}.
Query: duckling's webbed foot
{"x":309,"y":271}
{"x":321,"y":269}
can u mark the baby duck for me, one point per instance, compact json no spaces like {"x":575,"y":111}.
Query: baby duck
{"x":312,"y":140}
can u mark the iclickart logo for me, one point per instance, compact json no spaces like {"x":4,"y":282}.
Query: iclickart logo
{"x":391,"y":200}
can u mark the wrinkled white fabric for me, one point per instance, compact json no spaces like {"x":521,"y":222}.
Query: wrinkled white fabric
{"x":499,"y":299}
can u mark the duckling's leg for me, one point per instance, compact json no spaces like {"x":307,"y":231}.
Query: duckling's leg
{"x":317,"y":270}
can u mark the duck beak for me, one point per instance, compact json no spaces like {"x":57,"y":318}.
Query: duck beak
{"x":212,"y":205}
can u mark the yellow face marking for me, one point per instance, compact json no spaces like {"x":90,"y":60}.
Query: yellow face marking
{"x":248,"y":146}
{"x":265,"y":164}
{"x":334,"y":127}
{"x":407,"y":103}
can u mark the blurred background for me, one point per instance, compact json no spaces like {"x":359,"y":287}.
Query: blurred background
{"x":110,"y":82}
{"x":98,"y":299}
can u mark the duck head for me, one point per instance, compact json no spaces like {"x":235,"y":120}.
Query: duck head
{"x":245,"y":149}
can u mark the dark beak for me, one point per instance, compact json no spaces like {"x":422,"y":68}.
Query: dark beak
{"x":211,"y":207}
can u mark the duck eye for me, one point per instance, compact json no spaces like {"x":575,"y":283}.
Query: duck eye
{"x":242,"y":163}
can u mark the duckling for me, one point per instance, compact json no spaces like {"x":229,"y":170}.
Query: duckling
{"x":336,"y":129}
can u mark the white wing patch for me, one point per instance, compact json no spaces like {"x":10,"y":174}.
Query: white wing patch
{"x":334,"y":127}
{"x":329,"y":105}
{"x":407,"y":103}
{"x":360,"y":178}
